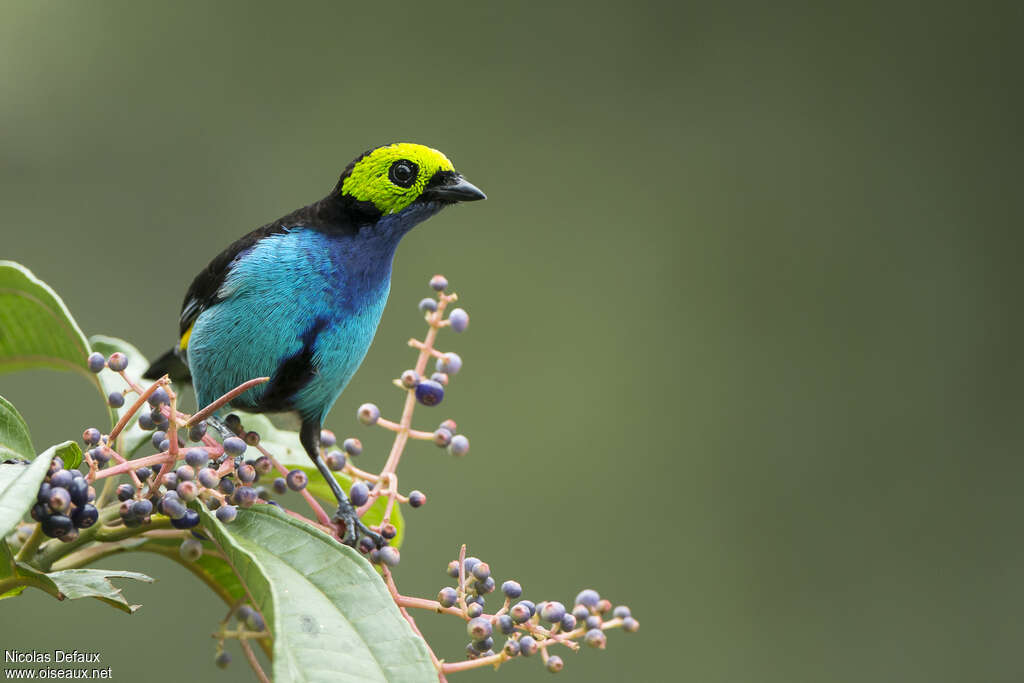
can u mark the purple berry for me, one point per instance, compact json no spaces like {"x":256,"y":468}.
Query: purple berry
{"x":428,"y":305}
{"x":190,"y":550}
{"x":459,"y":319}
{"x":227,"y":513}
{"x":327,"y":438}
{"x":297,"y":480}
{"x":450,"y":363}
{"x":335,"y":461}
{"x":447,"y":597}
{"x":96,"y":361}
{"x":352,"y":446}
{"x":439,"y":283}
{"x":197,"y":457}
{"x":368,"y":414}
{"x":511,"y":589}
{"x":115,"y":399}
{"x":159,"y":398}
{"x":190,"y":520}
{"x":208,"y":478}
{"x":234,"y":446}
{"x":595,"y":637}
{"x":417,"y":498}
{"x":429,"y":392}
{"x":390,"y":556}
{"x":459,"y":445}
{"x":117,"y":361}
{"x":588,"y":598}
{"x":359,"y":494}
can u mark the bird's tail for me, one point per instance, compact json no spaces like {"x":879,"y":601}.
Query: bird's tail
{"x":169,"y":364}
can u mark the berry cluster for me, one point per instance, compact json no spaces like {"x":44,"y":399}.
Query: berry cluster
{"x":527,"y":627}
{"x":191,"y":468}
{"x":249,"y":625}
{"x":65,"y":502}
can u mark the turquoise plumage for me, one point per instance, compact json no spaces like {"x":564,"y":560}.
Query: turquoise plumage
{"x":299,"y":300}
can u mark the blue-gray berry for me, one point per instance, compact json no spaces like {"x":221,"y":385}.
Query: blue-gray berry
{"x":327,"y":438}
{"x":115,"y":399}
{"x":117,"y":361}
{"x":459,"y":319}
{"x":96,"y":361}
{"x":439,"y":283}
{"x":447,"y":596}
{"x":390,"y":556}
{"x":159,"y":397}
{"x":61,"y":479}
{"x":595,"y":637}
{"x":197,"y":431}
{"x":208,"y":478}
{"x":173,"y":507}
{"x":459,"y":445}
{"x":428,"y":305}
{"x":368,"y":414}
{"x":450,"y":363}
{"x":297,"y":480}
{"x":478,"y":628}
{"x":588,"y":597}
{"x":352,"y":446}
{"x":190,"y":520}
{"x":245,"y":496}
{"x":234,"y":446}
{"x":190,"y":550}
{"x":552,"y":612}
{"x":335,"y":461}
{"x":429,"y":392}
{"x":511,"y":589}
{"x":417,"y":498}
{"x":359,"y":494}
{"x":197,"y":457}
{"x":555,"y":664}
{"x":227,"y":513}
{"x":527,"y":646}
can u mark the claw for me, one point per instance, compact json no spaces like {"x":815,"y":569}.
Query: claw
{"x":354,"y":528}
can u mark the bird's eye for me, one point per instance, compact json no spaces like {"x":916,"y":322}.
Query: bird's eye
{"x":403,"y":173}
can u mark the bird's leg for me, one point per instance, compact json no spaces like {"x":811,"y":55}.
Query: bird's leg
{"x":309,"y":435}
{"x":225,"y":433}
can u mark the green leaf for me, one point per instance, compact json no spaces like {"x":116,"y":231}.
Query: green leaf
{"x":331,"y":615}
{"x":71,"y":453}
{"x":74,"y":584}
{"x":7,"y":570}
{"x":36,"y":329}
{"x":19,"y":486}
{"x":15,"y":441}
{"x":133,"y":436}
{"x":285,"y":446}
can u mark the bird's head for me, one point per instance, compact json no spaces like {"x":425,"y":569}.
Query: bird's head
{"x":403,"y":176}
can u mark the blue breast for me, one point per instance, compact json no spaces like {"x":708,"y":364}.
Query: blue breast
{"x":300,"y":307}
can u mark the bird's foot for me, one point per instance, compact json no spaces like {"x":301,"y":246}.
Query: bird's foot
{"x":354,"y":527}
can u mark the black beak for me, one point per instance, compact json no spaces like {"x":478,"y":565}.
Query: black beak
{"x":448,"y":186}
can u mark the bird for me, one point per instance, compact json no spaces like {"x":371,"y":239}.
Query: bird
{"x":299,"y":299}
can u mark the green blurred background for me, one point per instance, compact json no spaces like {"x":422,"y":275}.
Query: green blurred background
{"x":745,"y":341}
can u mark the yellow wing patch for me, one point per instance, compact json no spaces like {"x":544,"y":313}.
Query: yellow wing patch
{"x":183,"y":344}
